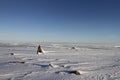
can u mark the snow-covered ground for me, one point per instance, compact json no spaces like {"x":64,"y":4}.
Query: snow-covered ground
{"x":94,"y":61}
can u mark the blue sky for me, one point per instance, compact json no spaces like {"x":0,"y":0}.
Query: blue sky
{"x":60,"y":20}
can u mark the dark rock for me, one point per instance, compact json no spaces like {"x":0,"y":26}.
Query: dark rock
{"x":22,"y":62}
{"x":39,"y":50}
{"x":77,"y":72}
{"x":73,"y":48}
{"x":11,"y":53}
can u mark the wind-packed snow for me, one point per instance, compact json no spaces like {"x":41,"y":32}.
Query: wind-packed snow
{"x":93,"y":61}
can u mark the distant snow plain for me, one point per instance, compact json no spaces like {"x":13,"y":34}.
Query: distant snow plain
{"x":94,"y":61}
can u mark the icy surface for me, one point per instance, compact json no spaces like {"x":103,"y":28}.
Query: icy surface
{"x":94,"y":62}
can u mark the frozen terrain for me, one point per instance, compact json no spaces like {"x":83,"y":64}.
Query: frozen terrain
{"x":94,"y":61}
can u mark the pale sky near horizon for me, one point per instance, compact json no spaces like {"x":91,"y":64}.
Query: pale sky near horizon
{"x":60,"y":20}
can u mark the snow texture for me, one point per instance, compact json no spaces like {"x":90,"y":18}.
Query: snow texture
{"x":60,"y":62}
